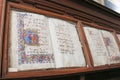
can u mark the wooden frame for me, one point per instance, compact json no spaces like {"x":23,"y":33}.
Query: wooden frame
{"x":2,"y":15}
{"x":86,"y":42}
{"x":55,"y":72}
{"x":118,"y":41}
{"x":34,"y":73}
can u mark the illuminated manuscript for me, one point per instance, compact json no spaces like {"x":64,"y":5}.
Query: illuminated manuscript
{"x":40,"y":42}
{"x":112,"y":47}
{"x":30,"y":43}
{"x":96,"y":45}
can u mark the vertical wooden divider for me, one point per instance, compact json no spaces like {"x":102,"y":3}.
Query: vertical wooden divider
{"x":116,"y":38}
{"x":84,"y":43}
{"x":6,"y":37}
{"x":2,"y":14}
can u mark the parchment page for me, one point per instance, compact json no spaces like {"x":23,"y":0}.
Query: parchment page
{"x":96,"y":45}
{"x":67,"y":47}
{"x":112,"y":47}
{"x":30,"y":44}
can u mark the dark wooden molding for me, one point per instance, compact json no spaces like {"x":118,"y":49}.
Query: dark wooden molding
{"x":95,"y":14}
{"x":79,"y":9}
{"x":2,"y":15}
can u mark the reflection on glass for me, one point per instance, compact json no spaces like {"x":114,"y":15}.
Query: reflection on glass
{"x":111,"y":4}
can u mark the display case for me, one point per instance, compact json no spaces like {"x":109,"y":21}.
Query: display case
{"x":42,"y":39}
{"x":102,"y":43}
{"x":40,"y":42}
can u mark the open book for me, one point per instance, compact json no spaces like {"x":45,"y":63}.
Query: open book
{"x":96,"y":45}
{"x":40,"y":42}
{"x":103,"y":47}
